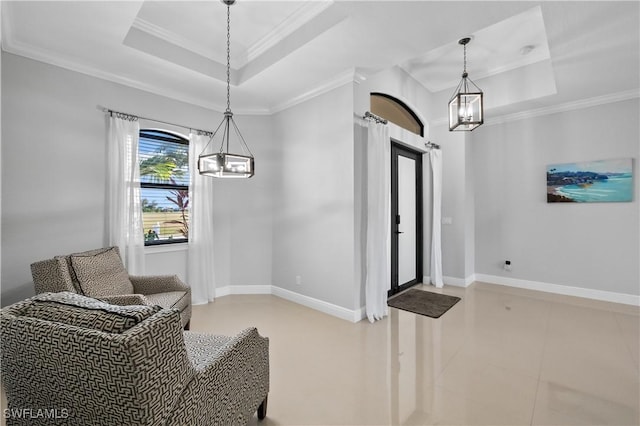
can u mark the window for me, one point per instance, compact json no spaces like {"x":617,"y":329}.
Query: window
{"x":164,"y":182}
{"x":396,"y":111}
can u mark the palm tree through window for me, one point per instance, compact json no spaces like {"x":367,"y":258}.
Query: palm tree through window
{"x":164,"y":182}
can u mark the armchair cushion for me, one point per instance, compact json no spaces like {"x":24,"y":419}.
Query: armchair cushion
{"x":101,"y":273}
{"x":80,"y":311}
{"x":170,"y":300}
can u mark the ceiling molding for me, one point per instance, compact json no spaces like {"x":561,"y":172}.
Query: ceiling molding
{"x":514,"y":42}
{"x":297,"y":19}
{"x":554,"y":109}
{"x":173,"y":38}
{"x":300,"y":17}
{"x":340,"y":80}
{"x":31,"y":52}
{"x":565,"y":107}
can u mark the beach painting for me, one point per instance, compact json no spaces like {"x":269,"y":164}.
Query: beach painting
{"x":603,"y":181}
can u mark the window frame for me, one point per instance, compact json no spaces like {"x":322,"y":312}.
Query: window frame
{"x":173,"y":138}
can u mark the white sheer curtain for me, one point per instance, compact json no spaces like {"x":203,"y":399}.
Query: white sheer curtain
{"x":435,"y":157}
{"x":378,"y":225}
{"x":124,"y":210}
{"x":200,"y":272}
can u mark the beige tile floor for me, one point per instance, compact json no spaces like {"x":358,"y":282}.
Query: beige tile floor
{"x":501,"y":356}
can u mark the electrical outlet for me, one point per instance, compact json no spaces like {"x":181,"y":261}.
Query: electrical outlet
{"x":298,"y":280}
{"x":507,"y":265}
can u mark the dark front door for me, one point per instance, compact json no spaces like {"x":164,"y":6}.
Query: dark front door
{"x":406,"y":218}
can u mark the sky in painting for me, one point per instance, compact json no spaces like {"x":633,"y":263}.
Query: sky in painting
{"x":603,"y":166}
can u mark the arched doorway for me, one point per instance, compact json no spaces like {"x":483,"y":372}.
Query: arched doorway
{"x":406,"y":195}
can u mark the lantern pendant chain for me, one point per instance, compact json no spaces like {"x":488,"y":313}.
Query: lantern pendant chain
{"x":464,"y":71}
{"x":228,"y":58}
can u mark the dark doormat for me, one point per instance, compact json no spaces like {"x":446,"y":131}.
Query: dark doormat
{"x":423,"y":302}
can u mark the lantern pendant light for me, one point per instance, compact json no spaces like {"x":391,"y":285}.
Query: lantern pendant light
{"x":224,"y":164}
{"x":465,"y":106}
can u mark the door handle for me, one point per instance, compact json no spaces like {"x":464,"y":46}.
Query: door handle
{"x":399,"y":232}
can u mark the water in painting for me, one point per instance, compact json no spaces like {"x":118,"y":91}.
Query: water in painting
{"x":591,"y":182}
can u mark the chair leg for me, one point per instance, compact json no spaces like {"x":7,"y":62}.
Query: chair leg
{"x":187,"y":326}
{"x":262,"y":409}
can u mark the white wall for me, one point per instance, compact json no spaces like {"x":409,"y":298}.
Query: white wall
{"x":53,"y":174}
{"x":313,"y":216}
{"x":591,"y":246}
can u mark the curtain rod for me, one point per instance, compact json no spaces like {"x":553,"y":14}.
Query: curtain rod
{"x":370,"y":116}
{"x":112,"y":111}
{"x":431,"y":145}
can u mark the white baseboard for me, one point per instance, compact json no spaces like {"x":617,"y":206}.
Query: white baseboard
{"x":310,"y":302}
{"x":469,"y":280}
{"x":243,"y":289}
{"x":607,"y":296}
{"x":459,"y":282}
{"x":318,"y":305}
{"x":359,"y":314}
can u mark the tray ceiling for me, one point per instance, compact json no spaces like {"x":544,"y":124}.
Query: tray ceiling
{"x":523,"y":54}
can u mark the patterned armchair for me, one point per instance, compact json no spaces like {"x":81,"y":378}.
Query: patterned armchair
{"x":101,"y":274}
{"x":73,"y":360}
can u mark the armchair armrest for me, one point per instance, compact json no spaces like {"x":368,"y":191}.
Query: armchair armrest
{"x":231,"y":378}
{"x":125,"y":299}
{"x":151,"y":284}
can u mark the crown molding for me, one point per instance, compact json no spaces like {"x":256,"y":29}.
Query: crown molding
{"x":31,"y":52}
{"x":349,"y":76}
{"x":300,"y":17}
{"x":565,"y":107}
{"x":554,"y":109}
{"x":303,"y":15}
{"x":177,"y":40}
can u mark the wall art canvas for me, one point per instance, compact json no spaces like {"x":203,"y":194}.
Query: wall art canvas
{"x":601,"y":181}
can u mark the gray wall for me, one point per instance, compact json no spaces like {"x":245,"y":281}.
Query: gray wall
{"x":455,"y":203}
{"x":313,"y":231}
{"x":53,"y":174}
{"x":594,"y":246}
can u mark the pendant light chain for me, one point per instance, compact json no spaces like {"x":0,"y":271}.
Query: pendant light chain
{"x":464,"y":71}
{"x":226,"y":164}
{"x":228,"y":58}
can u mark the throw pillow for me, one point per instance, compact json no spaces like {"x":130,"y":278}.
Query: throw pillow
{"x":101,"y":274}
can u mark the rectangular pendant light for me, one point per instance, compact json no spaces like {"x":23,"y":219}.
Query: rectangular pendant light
{"x":225,"y":165}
